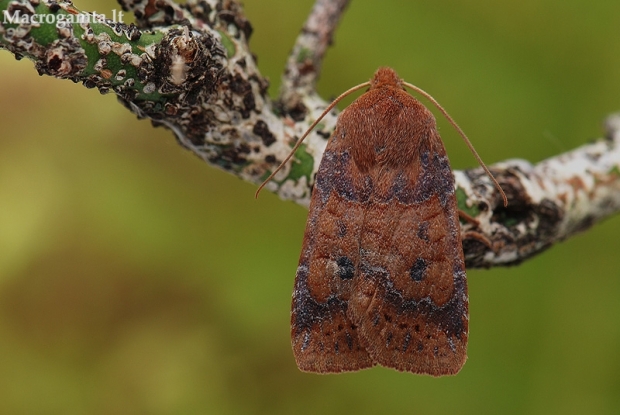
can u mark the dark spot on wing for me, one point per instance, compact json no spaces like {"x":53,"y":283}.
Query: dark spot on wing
{"x":418,"y":270}
{"x":346,"y":269}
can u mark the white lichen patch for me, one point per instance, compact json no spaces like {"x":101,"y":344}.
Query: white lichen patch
{"x":134,"y":60}
{"x":219,"y":137}
{"x":151,"y":50}
{"x":100,"y":64}
{"x":120,"y":75}
{"x":121,"y":48}
{"x":149,"y":88}
{"x":65,"y":31}
{"x":178,"y":70}
{"x":295,"y":190}
{"x":104,"y":47}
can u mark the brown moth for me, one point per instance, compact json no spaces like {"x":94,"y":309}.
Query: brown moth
{"x":381,"y":277}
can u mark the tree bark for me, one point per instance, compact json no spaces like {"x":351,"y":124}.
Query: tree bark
{"x":189,"y":68}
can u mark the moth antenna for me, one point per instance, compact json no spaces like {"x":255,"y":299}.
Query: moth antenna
{"x":458,"y":129}
{"x":328,"y":109}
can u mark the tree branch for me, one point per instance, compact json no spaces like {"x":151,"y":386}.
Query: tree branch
{"x":547,"y":202}
{"x":189,"y":68}
{"x":304,"y":63}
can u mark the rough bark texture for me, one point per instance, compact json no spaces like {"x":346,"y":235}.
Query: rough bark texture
{"x":189,"y":68}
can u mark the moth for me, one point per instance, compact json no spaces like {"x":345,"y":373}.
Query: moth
{"x":381,"y":277}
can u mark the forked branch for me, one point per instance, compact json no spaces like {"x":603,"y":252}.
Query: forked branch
{"x":188,"y":67}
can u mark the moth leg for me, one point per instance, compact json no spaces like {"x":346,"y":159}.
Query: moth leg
{"x":468,"y":218}
{"x":473,"y":236}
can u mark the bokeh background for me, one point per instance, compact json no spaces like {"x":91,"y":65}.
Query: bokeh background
{"x":135,"y":279}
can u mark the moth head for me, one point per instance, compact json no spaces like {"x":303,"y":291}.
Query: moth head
{"x":386,"y":77}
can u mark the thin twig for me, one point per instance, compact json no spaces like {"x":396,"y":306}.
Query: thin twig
{"x":547,"y":202}
{"x":303,"y":67}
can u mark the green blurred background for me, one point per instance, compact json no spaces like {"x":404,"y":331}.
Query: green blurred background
{"x":135,"y":279}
